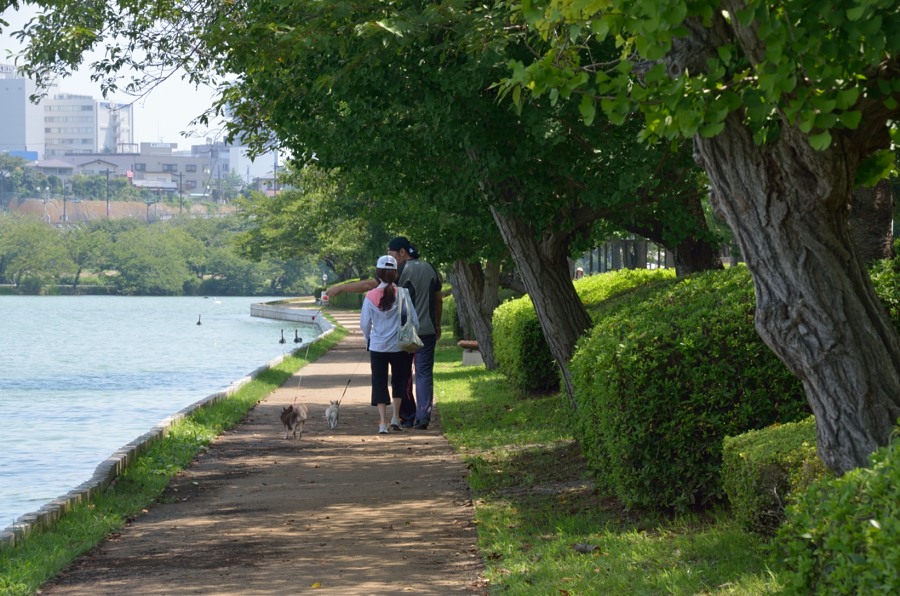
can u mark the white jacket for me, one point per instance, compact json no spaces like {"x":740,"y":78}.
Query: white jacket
{"x":381,"y":328}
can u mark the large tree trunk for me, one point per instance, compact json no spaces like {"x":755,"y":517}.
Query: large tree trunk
{"x":694,"y":254}
{"x":787,"y":205}
{"x":543,"y":265}
{"x":478,"y":289}
{"x":872,"y":221}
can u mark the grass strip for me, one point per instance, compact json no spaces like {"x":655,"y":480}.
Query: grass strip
{"x":44,"y":553}
{"x":543,"y":528}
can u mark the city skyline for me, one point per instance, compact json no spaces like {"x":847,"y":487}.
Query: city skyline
{"x":158,"y":117}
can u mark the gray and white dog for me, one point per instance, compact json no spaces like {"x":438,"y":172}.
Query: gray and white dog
{"x":293,"y":418}
{"x":332,"y":413}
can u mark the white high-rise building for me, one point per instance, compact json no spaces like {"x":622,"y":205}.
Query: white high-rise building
{"x":22,"y":126}
{"x":115,"y":128}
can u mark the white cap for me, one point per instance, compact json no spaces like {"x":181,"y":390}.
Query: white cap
{"x":386,"y":262}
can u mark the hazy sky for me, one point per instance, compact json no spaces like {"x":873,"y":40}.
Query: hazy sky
{"x":158,"y":117}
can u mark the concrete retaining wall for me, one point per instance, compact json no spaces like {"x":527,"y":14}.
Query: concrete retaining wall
{"x":110,"y":469}
{"x":285,"y":311}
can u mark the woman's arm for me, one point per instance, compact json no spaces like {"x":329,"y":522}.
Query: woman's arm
{"x":361,"y":286}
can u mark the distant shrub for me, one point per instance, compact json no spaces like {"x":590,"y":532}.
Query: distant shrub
{"x":765,"y":470}
{"x":450,"y":316}
{"x":31,"y":285}
{"x":665,"y":374}
{"x":885,"y":276}
{"x":843,"y":535}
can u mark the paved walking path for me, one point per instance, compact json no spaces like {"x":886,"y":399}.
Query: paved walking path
{"x":338,"y":512}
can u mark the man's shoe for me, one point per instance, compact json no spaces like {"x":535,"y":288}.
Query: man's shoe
{"x":422,"y":425}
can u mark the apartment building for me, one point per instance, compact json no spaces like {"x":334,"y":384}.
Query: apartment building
{"x":79,"y":124}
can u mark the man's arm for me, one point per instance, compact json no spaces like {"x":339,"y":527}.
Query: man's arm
{"x":361,"y":286}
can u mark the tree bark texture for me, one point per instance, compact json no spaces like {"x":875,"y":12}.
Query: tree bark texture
{"x":462,"y":313}
{"x":872,"y":221}
{"x":542,"y":262}
{"x":693,"y":255}
{"x":788,"y":206}
{"x":479,"y":296}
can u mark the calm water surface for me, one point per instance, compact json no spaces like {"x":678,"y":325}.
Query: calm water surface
{"x":82,"y":376}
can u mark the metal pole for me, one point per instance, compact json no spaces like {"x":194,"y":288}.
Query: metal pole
{"x":107,"y":194}
{"x":275,"y":176}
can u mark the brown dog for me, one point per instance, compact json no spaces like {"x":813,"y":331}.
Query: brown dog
{"x":293,"y":418}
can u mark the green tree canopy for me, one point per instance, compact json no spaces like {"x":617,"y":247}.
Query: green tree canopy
{"x":400,"y":97}
{"x":789,"y":105}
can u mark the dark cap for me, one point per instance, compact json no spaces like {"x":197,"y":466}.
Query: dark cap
{"x":398,"y":243}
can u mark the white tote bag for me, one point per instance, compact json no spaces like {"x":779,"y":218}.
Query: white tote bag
{"x":409,"y":340}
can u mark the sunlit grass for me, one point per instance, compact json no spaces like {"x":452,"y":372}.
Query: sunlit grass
{"x":542,"y":526}
{"x":43,"y":554}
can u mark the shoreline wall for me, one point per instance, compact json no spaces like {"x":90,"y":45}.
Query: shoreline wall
{"x":109,"y":469}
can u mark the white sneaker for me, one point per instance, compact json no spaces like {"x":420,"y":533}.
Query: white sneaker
{"x":382,"y":429}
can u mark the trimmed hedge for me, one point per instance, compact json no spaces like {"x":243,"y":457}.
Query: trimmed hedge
{"x":451,"y":317}
{"x":520,"y":349}
{"x":843,"y":535}
{"x":765,"y":470}
{"x":665,"y":374}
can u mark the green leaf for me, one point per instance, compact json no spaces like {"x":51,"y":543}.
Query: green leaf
{"x":855,"y":13}
{"x":588,"y":109}
{"x":875,"y":167}
{"x":851,"y":119}
{"x":712,"y":129}
{"x":532,"y":13}
{"x":821,"y":141}
{"x":746,"y":16}
{"x":826,"y":121}
{"x":390,"y":28}
{"x":724,"y":53}
{"x":600,"y":28}
{"x":847,"y":97}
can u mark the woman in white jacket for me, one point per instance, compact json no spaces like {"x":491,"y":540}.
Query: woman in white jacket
{"x":380,"y":323}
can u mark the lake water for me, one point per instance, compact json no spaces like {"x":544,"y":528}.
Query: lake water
{"x":81,"y":376}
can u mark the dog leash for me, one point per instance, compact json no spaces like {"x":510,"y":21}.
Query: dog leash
{"x":296,"y":397}
{"x":353,"y":374}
